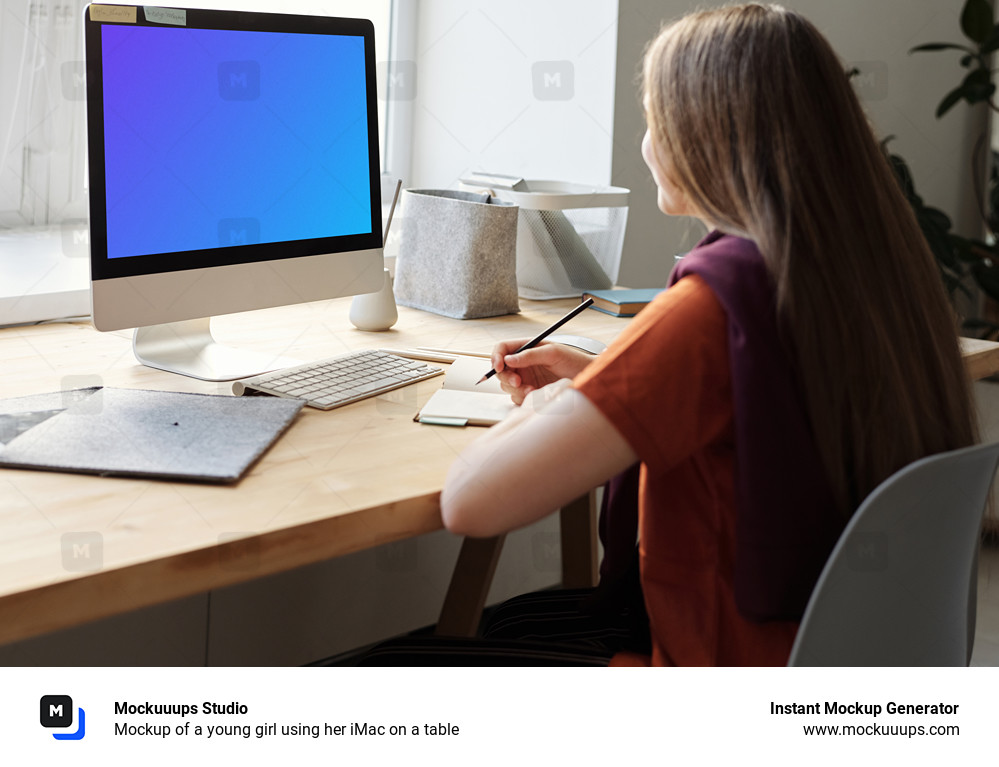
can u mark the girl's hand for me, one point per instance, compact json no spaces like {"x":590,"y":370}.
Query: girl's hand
{"x":520,"y":374}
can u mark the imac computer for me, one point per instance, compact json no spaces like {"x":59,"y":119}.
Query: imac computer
{"x":233,"y":165}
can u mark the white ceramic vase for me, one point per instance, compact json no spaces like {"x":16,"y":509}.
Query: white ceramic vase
{"x":375,"y":311}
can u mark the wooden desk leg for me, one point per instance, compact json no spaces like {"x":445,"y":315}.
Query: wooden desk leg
{"x":578,"y":521}
{"x":466,"y":596}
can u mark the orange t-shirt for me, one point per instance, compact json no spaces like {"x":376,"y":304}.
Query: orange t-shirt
{"x":665,"y":384}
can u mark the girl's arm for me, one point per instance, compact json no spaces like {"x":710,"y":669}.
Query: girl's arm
{"x":553,"y":449}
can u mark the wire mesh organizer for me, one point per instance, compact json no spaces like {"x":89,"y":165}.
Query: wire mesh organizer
{"x":569,"y":236}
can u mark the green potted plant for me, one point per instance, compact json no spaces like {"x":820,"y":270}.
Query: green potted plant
{"x":967,"y":258}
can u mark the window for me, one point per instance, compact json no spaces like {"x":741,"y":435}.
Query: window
{"x":42,"y":129}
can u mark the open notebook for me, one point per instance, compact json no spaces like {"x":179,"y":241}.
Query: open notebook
{"x":461,"y":403}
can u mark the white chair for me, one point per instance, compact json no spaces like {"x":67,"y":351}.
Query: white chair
{"x":895,"y":591}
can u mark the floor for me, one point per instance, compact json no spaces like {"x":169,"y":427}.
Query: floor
{"x":987,"y":631}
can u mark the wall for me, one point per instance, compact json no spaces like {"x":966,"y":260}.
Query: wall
{"x":517,"y":87}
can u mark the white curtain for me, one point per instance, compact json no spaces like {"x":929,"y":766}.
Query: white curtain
{"x":42,"y":130}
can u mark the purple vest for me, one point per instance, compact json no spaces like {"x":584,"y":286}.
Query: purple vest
{"x":787,"y":523}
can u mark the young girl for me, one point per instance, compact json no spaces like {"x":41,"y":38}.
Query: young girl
{"x":803,"y":353}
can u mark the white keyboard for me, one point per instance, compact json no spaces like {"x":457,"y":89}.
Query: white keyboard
{"x":337,"y":381}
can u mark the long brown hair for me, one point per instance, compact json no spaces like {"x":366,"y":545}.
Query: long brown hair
{"x":754,"y":120}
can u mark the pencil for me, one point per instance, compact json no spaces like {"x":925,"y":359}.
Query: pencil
{"x":395,"y":199}
{"x":543,"y":335}
{"x":421,"y":354}
{"x":453,"y":352}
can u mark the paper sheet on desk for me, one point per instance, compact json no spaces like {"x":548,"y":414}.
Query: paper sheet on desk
{"x":460,"y":402}
{"x":139,"y":433}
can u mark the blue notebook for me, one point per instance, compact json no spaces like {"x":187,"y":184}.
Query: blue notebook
{"x":140,"y":433}
{"x":621,"y":302}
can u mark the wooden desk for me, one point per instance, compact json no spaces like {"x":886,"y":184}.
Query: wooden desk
{"x":981,"y":358}
{"x":336,"y":482}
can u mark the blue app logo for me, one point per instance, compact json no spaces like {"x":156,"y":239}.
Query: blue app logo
{"x":57,"y":711}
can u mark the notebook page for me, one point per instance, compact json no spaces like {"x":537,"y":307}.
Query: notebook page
{"x":465,"y":371}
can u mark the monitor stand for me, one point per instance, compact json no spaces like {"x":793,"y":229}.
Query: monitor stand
{"x":189,"y":349}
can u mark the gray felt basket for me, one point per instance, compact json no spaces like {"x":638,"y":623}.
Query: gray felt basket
{"x":458,"y":254}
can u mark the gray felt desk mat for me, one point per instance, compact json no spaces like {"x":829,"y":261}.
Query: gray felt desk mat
{"x":132,"y":432}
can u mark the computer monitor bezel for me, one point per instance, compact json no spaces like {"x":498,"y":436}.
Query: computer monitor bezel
{"x":105,"y":268}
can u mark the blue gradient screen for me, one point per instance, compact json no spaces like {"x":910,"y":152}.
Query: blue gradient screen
{"x":217,"y":138}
